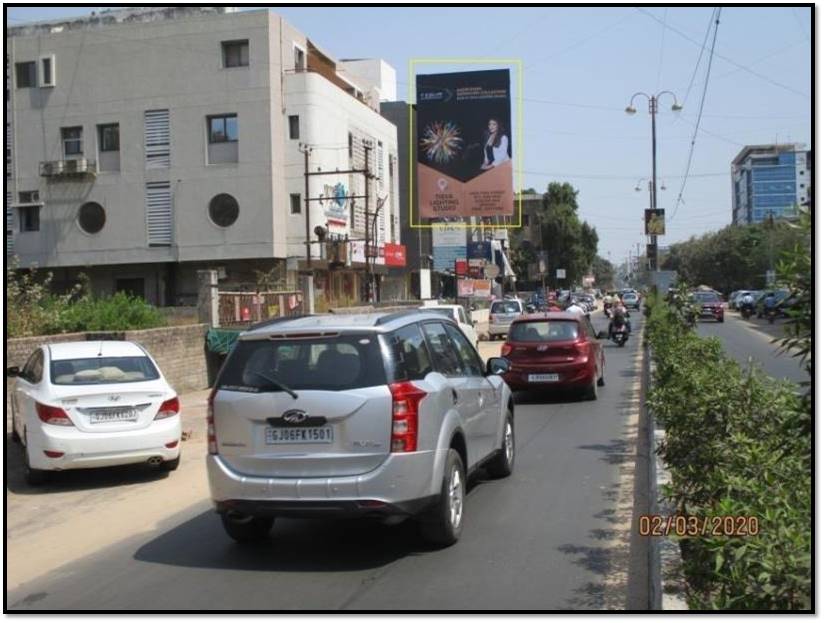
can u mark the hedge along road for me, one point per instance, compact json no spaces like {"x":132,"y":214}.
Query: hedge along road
{"x":555,"y":535}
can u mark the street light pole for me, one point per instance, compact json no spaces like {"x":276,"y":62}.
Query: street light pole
{"x":653,"y":110}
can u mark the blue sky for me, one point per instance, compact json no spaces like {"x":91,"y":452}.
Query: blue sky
{"x":582,"y":65}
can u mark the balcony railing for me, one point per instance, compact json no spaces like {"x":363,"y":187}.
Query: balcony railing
{"x":77,"y":168}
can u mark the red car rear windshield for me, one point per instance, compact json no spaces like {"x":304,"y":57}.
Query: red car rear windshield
{"x":706,"y":297}
{"x":544,"y":331}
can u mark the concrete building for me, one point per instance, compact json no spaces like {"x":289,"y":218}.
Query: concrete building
{"x":145,"y":144}
{"x":769,"y":180}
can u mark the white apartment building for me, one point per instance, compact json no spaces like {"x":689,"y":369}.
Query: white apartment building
{"x":145,"y":144}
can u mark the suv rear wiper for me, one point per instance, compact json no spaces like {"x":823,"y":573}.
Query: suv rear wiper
{"x":277,"y":384}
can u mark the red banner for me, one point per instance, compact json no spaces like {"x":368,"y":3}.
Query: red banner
{"x":395,"y":254}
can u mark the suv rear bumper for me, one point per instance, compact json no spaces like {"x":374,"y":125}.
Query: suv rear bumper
{"x":402,"y":484}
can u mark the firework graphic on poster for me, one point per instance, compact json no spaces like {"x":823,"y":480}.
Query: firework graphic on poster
{"x":441,"y":141}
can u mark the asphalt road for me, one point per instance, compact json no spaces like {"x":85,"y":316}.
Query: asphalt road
{"x":555,"y":535}
{"x":745,"y":339}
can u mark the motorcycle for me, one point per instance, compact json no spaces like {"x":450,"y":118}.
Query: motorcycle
{"x":607,"y":308}
{"x":620,"y":335}
{"x":771,"y":313}
{"x":747,"y":310}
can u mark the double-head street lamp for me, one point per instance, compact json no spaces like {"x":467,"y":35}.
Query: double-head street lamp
{"x":653,"y":100}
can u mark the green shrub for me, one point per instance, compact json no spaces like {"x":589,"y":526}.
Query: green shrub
{"x":33,"y":310}
{"x":734,"y":446}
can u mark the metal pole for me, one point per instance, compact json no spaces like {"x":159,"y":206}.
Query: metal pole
{"x":306,"y":149}
{"x":366,"y":175}
{"x":653,"y":108}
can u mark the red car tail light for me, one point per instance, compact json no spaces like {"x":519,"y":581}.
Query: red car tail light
{"x":506,"y":349}
{"x":168,"y":408}
{"x":172,"y":444}
{"x":52,"y":415}
{"x":582,"y":348}
{"x":405,"y":401}
{"x":211,"y":436}
{"x":53,"y":454}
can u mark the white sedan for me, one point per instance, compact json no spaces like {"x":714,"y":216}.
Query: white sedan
{"x":93,"y":404}
{"x":458,"y":314}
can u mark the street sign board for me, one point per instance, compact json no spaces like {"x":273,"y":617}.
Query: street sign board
{"x":560,"y":273}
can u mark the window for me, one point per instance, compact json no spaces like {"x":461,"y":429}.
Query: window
{"x":294,"y":203}
{"x":72,"y":141}
{"x":33,"y":370}
{"x":159,"y":223}
{"x":300,"y":59}
{"x":446,"y":357}
{"x":108,"y":137}
{"x":222,"y":128}
{"x":469,"y":358}
{"x":544,"y":331}
{"x":223,"y":210}
{"x":236,"y":53}
{"x":294,"y":126}
{"x":29,"y":196}
{"x":47,"y":71}
{"x":526,"y":219}
{"x":30,"y":218}
{"x":102,"y":371}
{"x":91,"y":217}
{"x":410,"y":358}
{"x":25,"y":74}
{"x":351,"y":145}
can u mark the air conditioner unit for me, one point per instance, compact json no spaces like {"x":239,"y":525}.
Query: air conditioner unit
{"x":81,"y":165}
{"x":53,"y":167}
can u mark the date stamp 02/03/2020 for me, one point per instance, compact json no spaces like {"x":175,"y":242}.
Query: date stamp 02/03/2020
{"x":693,"y":525}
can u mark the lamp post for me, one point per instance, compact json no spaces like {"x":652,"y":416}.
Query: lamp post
{"x":653,"y":110}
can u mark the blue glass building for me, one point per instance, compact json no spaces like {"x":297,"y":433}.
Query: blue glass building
{"x":769,"y":180}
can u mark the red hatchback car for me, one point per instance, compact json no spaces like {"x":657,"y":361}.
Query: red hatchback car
{"x":555,"y":349}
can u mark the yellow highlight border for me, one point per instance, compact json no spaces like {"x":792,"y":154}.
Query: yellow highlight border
{"x":519,"y":111}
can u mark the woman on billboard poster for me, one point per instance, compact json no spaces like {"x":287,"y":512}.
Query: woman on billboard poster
{"x":496,"y":145}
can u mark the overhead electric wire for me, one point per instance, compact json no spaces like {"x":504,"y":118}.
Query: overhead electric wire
{"x":698,"y":62}
{"x":726,"y":58}
{"x":661,"y":50}
{"x":700,"y":112}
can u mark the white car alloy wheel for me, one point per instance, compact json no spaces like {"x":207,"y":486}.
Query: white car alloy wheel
{"x":509,"y":443}
{"x":456,"y":496}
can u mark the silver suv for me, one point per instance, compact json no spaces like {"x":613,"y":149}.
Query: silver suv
{"x":374,"y":415}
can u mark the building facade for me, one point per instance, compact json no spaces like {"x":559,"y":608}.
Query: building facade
{"x":145,"y":144}
{"x":769,"y":180}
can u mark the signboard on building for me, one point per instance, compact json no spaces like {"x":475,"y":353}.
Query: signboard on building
{"x":358,"y":255}
{"x":394,"y":254}
{"x":466,"y":287}
{"x":461,"y":267}
{"x":333,"y":201}
{"x":464,"y":144}
{"x":448,"y":246}
{"x":482,"y":288}
{"x":654,"y":222}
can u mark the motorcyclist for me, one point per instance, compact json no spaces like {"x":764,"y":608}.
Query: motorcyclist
{"x":620,"y":316}
{"x":747,"y":302}
{"x":770,"y":302}
{"x":576,"y":309}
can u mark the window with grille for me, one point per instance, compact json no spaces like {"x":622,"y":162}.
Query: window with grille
{"x":236,"y":53}
{"x":25,"y":74}
{"x":72,"y":141}
{"x":159,"y":214}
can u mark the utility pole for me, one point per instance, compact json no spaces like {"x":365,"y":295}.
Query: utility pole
{"x":653,"y":110}
{"x":306,"y":151}
{"x":367,"y":147}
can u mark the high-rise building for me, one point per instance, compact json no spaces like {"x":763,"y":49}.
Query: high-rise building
{"x":769,"y":180}
{"x":146,"y":143}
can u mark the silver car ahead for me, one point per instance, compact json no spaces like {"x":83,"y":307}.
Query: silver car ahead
{"x":379,"y":415}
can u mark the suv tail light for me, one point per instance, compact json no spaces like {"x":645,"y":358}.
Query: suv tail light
{"x":506,"y":348}
{"x":53,"y":415}
{"x":169,"y":408}
{"x":405,"y":400}
{"x":211,"y":436}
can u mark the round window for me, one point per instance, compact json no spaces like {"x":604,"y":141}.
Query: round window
{"x":223,"y":210}
{"x":91,"y":217}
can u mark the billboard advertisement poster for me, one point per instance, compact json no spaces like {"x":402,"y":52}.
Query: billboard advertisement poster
{"x":482,"y":288}
{"x":464,"y":144}
{"x":654,"y":222}
{"x":446,"y":235}
{"x":394,"y":254}
{"x":444,"y":258}
{"x":479,"y":250}
{"x":466,"y":287}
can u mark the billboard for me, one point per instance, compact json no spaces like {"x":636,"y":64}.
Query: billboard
{"x":464,"y":144}
{"x":448,"y":246}
{"x":395,"y":254}
{"x":654,"y":223}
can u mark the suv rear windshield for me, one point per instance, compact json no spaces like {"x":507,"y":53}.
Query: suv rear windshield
{"x":544,"y":331}
{"x":505,"y":307}
{"x":335,"y":363}
{"x":102,"y":371}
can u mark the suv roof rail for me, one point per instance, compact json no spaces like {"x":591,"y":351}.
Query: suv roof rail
{"x":279,"y":319}
{"x":398,"y":314}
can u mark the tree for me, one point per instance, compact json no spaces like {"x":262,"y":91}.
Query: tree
{"x":604,"y":273}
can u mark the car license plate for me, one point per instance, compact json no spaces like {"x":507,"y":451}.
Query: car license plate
{"x":121,"y":415}
{"x":310,"y":434}
{"x":543,"y":378}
